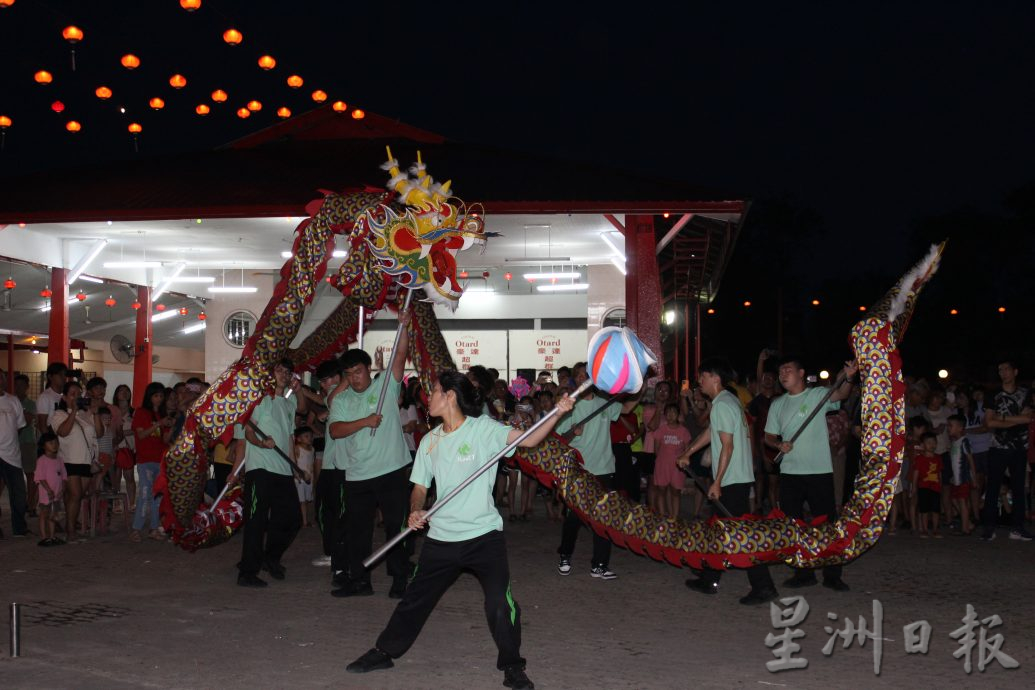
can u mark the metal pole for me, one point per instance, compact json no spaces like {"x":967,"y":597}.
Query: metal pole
{"x":362,"y":322}
{"x":837,"y":384}
{"x":16,"y":630}
{"x":703,"y":488}
{"x":569,"y":435}
{"x":391,"y":363}
{"x":377,"y":555}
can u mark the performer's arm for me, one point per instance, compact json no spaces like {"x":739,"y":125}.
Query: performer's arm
{"x":563,"y":406}
{"x":399,"y":366}
{"x":715,"y":490}
{"x":253,"y":438}
{"x":343,"y":429}
{"x":417,"y":518}
{"x":703,"y":440}
{"x":773,"y":441}
{"x":842,"y":392}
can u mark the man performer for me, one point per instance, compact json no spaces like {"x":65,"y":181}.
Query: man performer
{"x":377,"y":466}
{"x":806,"y":470}
{"x":732,"y":470}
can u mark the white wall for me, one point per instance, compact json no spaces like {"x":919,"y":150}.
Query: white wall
{"x":219,"y":354}
{"x":606,"y":291}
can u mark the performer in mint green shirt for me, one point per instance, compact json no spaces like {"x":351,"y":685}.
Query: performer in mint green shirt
{"x":466,"y":534}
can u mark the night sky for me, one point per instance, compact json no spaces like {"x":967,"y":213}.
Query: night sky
{"x":861,"y":131}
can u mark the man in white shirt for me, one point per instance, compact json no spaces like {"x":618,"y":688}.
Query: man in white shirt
{"x":12,"y":418}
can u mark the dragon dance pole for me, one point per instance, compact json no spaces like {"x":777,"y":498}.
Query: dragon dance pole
{"x":391,"y":363}
{"x":361,"y":325}
{"x":822,"y":403}
{"x":377,"y":555}
{"x":569,"y":435}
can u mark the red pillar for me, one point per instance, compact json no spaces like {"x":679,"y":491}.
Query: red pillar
{"x":58,"y":343}
{"x":142,"y":359}
{"x":643,"y":284}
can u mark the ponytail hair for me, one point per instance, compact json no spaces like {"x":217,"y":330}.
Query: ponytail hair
{"x":468,"y":398}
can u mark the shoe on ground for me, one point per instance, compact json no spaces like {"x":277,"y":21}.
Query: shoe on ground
{"x":760,"y":597}
{"x":45,"y":542}
{"x":57,"y":541}
{"x":276,"y":570}
{"x":340,"y":578}
{"x":354,"y":589}
{"x":156,"y":535}
{"x":322,"y":561}
{"x":250,"y":581}
{"x":1020,"y":534}
{"x":836,"y":584}
{"x":564,"y":565}
{"x":374,"y":660}
{"x":514,"y":677}
{"x":988,"y":535}
{"x":398,"y":588}
{"x":799,"y":581}
{"x":602,"y":572}
{"x":135,"y":537}
{"x":702,"y":585}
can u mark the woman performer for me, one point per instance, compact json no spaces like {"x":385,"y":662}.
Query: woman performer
{"x":466,"y":533}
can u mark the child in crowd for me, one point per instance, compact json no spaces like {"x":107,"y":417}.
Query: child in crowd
{"x":50,"y":478}
{"x":927,"y":484}
{"x":960,"y":460}
{"x":521,"y":509}
{"x":305,"y":456}
{"x":670,"y":440}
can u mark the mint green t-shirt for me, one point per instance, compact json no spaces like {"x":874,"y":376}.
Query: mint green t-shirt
{"x":334,"y":448}
{"x":275,"y":417}
{"x":595,"y":441}
{"x":451,"y":458}
{"x":727,"y":416}
{"x":811,"y":454}
{"x":366,"y":456}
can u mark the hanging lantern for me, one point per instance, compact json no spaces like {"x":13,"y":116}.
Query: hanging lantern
{"x":135,"y":305}
{"x":1001,"y":310}
{"x":57,"y":107}
{"x":233,"y":37}
{"x":183,"y":311}
{"x":202,"y":109}
{"x":46,"y":292}
{"x":43,"y":77}
{"x":5,"y":122}
{"x":283,"y":113}
{"x":156,"y":103}
{"x":135,"y":128}
{"x":72,"y":34}
{"x":339,"y":106}
{"x":507,"y":276}
{"x":159,"y":307}
{"x":177,"y":81}
{"x":73,"y":126}
{"x":190,"y":5}
{"x":254,"y":106}
{"x":4,"y":4}
{"x":485,"y":275}
{"x":130,"y":61}
{"x":110,"y":302}
{"x":201,"y":316}
{"x":267,"y":62}
{"x":319,"y":96}
{"x":243,"y":113}
{"x":295,"y":81}
{"x":10,"y":284}
{"x":219,"y":96}
{"x":463,"y":274}
{"x":358,"y":114}
{"x":81,"y":296}
{"x":103,"y":93}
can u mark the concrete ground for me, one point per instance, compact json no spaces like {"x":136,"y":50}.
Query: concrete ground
{"x":106,"y":613}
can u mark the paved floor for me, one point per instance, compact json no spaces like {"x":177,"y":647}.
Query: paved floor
{"x":110,"y":614}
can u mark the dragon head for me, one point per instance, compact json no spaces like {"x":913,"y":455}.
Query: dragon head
{"x":418,"y":244}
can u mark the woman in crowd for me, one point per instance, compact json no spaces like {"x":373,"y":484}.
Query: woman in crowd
{"x":152,"y":429}
{"x":77,"y":426}
{"x":124,"y":453}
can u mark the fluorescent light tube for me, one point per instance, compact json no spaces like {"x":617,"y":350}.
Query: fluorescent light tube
{"x":563,"y":287}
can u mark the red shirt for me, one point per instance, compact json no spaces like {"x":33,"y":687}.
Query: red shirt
{"x":620,"y":432}
{"x":928,"y":469}
{"x":149,"y":448}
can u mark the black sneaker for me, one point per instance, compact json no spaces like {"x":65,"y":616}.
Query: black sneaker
{"x":836,"y":584}
{"x":514,"y":677}
{"x":354,"y":589}
{"x":703,"y":586}
{"x":1020,"y":534}
{"x":45,"y":542}
{"x":250,"y":581}
{"x":799,"y":581}
{"x":276,"y":570}
{"x":754,"y":598}
{"x":398,"y":588}
{"x":340,"y":578}
{"x":374,"y":660}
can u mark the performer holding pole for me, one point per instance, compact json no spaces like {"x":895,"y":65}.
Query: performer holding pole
{"x":806,"y":470}
{"x":467,"y":532}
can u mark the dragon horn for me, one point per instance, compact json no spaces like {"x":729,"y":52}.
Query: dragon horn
{"x":441,"y":192}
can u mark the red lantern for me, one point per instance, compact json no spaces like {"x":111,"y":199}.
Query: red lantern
{"x":45,"y":293}
{"x":339,"y":106}
{"x":135,"y":128}
{"x":358,"y":114}
{"x":254,"y":106}
{"x":73,"y":126}
{"x":4,"y":4}
{"x":219,"y":96}
{"x":10,"y":284}
{"x":233,"y":37}
{"x":283,"y":112}
{"x":72,"y":34}
{"x":81,"y":296}
{"x":463,"y":274}
{"x":183,"y":311}
{"x":130,"y":61}
{"x":190,"y":5}
{"x":202,"y":109}
{"x":57,"y":107}
{"x":110,"y":302}
{"x":5,"y":122}
{"x":295,"y":81}
{"x":159,"y":307}
{"x":243,"y":113}
{"x":201,"y":316}
{"x":267,"y":62}
{"x":319,"y":96}
{"x":507,"y":276}
{"x":43,"y":77}
{"x":485,"y":275}
{"x":103,"y":93}
{"x":156,"y":103}
{"x":177,"y":81}
{"x":135,"y":305}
